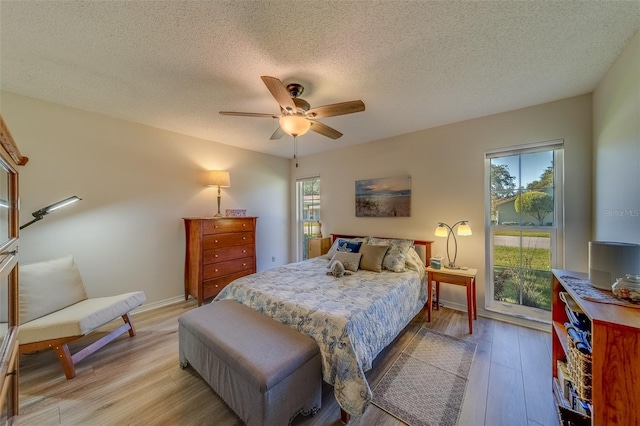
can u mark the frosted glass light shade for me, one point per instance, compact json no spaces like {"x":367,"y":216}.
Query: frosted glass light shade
{"x":218,"y":178}
{"x":464,"y":229}
{"x":442,"y":231}
{"x":294,"y":125}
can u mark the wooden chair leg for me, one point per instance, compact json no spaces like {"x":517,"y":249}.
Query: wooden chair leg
{"x":64,"y":355}
{"x":68,"y":361}
{"x":127,"y":320}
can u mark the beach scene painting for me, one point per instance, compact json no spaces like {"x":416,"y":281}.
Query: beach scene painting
{"x":384,"y":197}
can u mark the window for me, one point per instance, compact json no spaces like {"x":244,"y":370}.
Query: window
{"x":308,"y":213}
{"x":524,"y":232}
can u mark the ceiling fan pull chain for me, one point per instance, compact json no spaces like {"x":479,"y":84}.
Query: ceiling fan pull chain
{"x":295,"y":150}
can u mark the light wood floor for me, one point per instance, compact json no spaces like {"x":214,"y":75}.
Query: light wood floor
{"x":137,"y":381}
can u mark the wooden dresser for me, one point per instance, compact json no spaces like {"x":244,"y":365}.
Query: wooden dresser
{"x":218,"y":251}
{"x":615,"y":356}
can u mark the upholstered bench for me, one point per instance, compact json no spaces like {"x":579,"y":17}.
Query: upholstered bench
{"x":264,"y":370}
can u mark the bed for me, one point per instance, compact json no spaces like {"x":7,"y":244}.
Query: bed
{"x":352,"y":318}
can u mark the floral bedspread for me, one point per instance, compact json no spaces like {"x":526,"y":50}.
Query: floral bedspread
{"x":351,"y":318}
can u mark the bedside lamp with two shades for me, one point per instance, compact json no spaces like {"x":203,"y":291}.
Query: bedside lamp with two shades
{"x":444,"y":230}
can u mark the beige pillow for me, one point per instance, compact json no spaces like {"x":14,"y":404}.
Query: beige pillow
{"x":397,"y":253}
{"x":49,"y":286}
{"x":350,"y":261}
{"x":372,"y":257}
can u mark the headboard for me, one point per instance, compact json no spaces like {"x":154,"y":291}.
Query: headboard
{"x":422,"y":247}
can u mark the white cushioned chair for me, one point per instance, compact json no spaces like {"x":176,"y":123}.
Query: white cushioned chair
{"x":55,"y":310}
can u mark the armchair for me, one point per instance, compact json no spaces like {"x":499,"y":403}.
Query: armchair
{"x":55,"y":310}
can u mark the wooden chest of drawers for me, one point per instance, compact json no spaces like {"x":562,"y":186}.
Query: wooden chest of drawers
{"x":218,"y":251}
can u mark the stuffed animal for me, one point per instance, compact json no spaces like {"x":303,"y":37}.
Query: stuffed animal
{"x":337,"y":269}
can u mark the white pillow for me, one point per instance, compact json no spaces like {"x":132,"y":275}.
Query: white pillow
{"x":415,"y":263}
{"x":46,"y":287}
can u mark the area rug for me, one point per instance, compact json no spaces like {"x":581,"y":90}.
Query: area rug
{"x":425,"y":386}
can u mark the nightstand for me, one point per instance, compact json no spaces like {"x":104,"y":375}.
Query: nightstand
{"x":318,"y":246}
{"x":463,"y":277}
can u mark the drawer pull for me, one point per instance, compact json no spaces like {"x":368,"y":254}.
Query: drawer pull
{"x":215,"y":226}
{"x":216,"y":285}
{"x":215,"y":270}
{"x":215,"y":241}
{"x":215,"y":255}
{"x":244,"y":264}
{"x":244,"y":224}
{"x":244,"y":238}
{"x":244,"y":251}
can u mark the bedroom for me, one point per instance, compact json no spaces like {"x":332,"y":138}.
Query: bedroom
{"x":137,"y":182}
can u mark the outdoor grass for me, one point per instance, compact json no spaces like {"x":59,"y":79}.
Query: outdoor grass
{"x":542,"y":234}
{"x":533,"y":258}
{"x":528,"y":278}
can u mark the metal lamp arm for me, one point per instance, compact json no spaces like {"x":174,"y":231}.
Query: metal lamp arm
{"x":455,"y":241}
{"x":32,"y":221}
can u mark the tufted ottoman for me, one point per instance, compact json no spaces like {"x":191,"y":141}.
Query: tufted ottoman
{"x":264,"y":370}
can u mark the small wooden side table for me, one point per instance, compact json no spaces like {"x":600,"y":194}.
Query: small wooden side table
{"x":318,"y":246}
{"x":463,"y":277}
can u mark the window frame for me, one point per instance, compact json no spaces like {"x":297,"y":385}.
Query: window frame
{"x":301,"y":245}
{"x":556,"y":230}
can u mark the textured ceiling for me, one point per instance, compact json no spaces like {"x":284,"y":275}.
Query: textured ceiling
{"x":415,"y":64}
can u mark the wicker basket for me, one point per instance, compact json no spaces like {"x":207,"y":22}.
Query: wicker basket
{"x":579,"y":366}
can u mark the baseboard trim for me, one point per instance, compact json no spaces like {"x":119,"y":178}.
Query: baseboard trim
{"x":159,"y":304}
{"x":536,"y":325}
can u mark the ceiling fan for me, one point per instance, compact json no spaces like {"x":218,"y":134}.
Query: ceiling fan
{"x":297,"y":116}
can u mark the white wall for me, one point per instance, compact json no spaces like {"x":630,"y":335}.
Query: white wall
{"x":616,"y":145}
{"x":136,"y":183}
{"x":446,"y":165}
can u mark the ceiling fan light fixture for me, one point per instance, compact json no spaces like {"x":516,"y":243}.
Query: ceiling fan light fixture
{"x":295,"y":125}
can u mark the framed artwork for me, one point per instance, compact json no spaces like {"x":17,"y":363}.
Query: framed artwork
{"x":384,"y":197}
{"x":235,"y":212}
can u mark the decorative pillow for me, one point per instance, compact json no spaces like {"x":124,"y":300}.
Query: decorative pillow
{"x":372,"y":257}
{"x":46,"y":287}
{"x":397,"y":253}
{"x":350,"y":261}
{"x":415,"y":263}
{"x":342,"y":244}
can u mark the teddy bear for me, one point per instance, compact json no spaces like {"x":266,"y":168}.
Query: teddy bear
{"x":337,"y":269}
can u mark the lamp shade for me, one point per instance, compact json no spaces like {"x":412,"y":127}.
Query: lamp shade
{"x":464,"y":229}
{"x":294,"y":125}
{"x":442,"y":231}
{"x":218,"y":178}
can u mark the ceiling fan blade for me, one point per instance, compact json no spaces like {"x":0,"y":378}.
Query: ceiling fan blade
{"x":336,"y":109}
{"x":325,"y":130}
{"x":249,"y":114}
{"x":279,"y":92}
{"x":279,"y":133}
